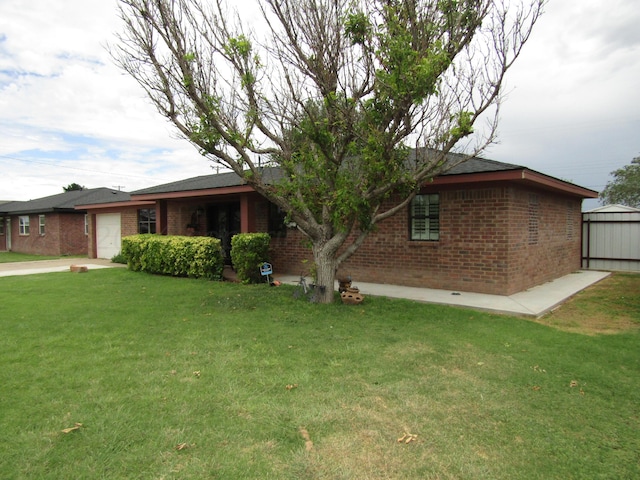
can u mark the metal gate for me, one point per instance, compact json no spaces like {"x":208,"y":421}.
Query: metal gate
{"x":611,"y":241}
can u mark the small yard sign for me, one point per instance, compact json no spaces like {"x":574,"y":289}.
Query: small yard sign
{"x":266,"y":270}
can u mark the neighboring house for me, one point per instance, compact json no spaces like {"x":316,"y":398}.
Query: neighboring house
{"x":51,"y":225}
{"x":483,"y":226}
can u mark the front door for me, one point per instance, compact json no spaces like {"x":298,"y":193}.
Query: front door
{"x":223,"y":222}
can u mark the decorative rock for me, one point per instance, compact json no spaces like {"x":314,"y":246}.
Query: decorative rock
{"x":79,"y":268}
{"x":352,"y":296}
{"x":344,"y":284}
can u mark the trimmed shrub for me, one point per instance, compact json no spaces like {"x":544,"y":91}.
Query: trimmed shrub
{"x":198,"y":257}
{"x":119,"y":258}
{"x":248,"y":252}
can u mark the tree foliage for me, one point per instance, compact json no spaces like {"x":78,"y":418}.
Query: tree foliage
{"x":73,"y":186}
{"x":625,"y":186}
{"x":334,"y":92}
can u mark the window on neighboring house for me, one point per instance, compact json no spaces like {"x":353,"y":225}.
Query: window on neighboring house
{"x":425,"y":217}
{"x":23,"y":225}
{"x":41,"y":224}
{"x":86,"y":224}
{"x":147,"y":220}
{"x":1,"y":225}
{"x":277,"y":216}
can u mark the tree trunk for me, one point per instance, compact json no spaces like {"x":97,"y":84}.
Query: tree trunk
{"x":326,"y":267}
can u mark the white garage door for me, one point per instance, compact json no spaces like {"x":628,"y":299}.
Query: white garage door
{"x":107,"y":234}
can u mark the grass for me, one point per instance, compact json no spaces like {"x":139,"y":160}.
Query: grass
{"x":6,"y":257}
{"x":609,"y":307}
{"x":178,"y":378}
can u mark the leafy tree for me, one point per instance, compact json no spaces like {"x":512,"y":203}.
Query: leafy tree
{"x":336,"y":93}
{"x":625,"y":186}
{"x":73,"y":186}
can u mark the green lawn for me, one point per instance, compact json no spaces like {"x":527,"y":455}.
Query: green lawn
{"x":6,"y":257}
{"x":189,"y":379}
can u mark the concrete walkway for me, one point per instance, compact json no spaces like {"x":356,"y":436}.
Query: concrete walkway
{"x":534,"y":302}
{"x":49,"y":266}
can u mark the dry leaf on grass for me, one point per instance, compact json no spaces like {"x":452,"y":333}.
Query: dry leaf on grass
{"x":77,"y":426}
{"x":291,"y":386}
{"x":407,"y":438}
{"x":182,"y":446}
{"x":308,"y":444}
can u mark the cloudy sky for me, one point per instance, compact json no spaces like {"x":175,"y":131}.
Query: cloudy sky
{"x":68,"y":114}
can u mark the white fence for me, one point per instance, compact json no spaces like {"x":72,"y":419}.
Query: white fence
{"x":611,"y":241}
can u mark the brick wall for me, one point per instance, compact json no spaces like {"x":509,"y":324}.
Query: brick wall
{"x":493,"y":239}
{"x":64,"y":235}
{"x":545,"y":240}
{"x":291,"y":254}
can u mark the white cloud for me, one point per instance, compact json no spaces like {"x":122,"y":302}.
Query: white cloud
{"x":69,"y":114}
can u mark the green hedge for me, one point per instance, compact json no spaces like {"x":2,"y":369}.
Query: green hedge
{"x":174,"y":255}
{"x":248,"y":252}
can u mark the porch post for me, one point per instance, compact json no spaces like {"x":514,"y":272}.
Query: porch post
{"x":247,"y":214}
{"x":161,"y":217}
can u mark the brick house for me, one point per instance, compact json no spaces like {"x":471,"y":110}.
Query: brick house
{"x":50,"y":225}
{"x":483,"y":226}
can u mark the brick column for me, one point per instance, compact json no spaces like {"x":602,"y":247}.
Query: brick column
{"x":247,"y":214}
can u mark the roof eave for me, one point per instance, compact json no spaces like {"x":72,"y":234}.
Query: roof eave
{"x":40,"y":211}
{"x":126,"y":203}
{"x":523,"y":175}
{"x":194,"y":193}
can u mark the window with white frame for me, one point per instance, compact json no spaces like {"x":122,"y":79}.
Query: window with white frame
{"x":1,"y":225}
{"x":41,"y":222}
{"x":86,"y":224}
{"x":425,"y":217}
{"x":23,"y":225}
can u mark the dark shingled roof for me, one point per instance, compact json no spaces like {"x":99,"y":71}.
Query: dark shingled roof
{"x":468,"y":165}
{"x":480,"y":165}
{"x":231,"y":179}
{"x":206,"y":182}
{"x":65,"y":202}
